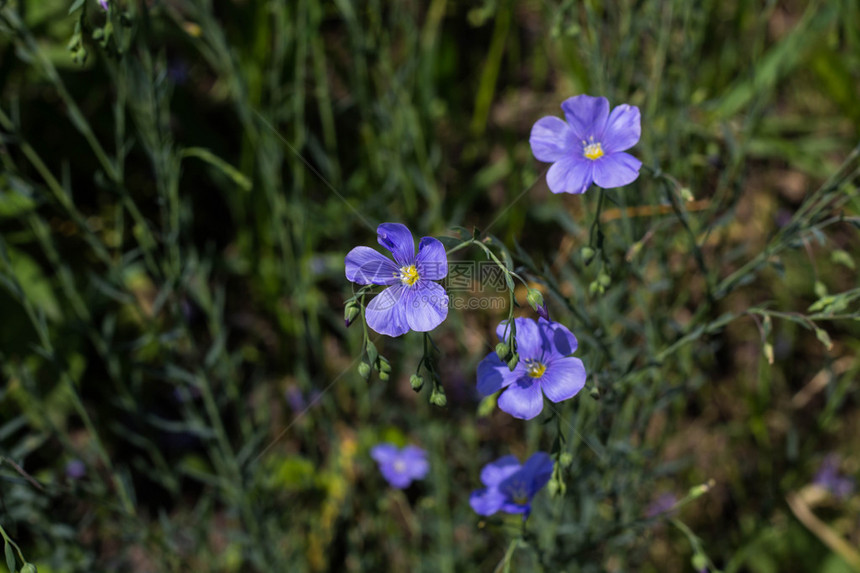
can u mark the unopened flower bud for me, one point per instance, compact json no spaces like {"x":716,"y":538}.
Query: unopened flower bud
{"x":587,"y":254}
{"x":565,"y":459}
{"x":437,"y":397}
{"x":502,"y":350}
{"x":28,"y":568}
{"x":383,"y":375}
{"x":552,"y":487}
{"x":594,"y":393}
{"x":604,"y":279}
{"x":534,"y":298}
{"x":364,"y":370}
{"x":699,"y":490}
{"x":512,"y":363}
{"x":417,"y":382}
{"x":350,"y":312}
{"x":384,"y":364}
{"x":700,"y":562}
{"x":595,"y":288}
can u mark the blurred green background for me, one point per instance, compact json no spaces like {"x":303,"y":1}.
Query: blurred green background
{"x":182,"y":179}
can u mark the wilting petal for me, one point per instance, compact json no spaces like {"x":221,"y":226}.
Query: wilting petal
{"x":522,"y":399}
{"x":425,"y":305}
{"x":616,"y":170}
{"x":537,"y":471}
{"x":586,"y":115}
{"x":563,"y":378}
{"x":622,"y":130}
{"x":559,"y":337}
{"x":570,"y":175}
{"x":498,"y":471}
{"x":397,"y":239}
{"x":486,"y":501}
{"x":551,"y":139}
{"x":386,"y":313}
{"x":493,"y":375}
{"x":383,"y":453}
{"x":368,"y":267}
{"x":431,"y":262}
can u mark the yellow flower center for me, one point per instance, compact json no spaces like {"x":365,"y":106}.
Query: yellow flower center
{"x":593,"y":151}
{"x":534,"y":368}
{"x":409,"y":275}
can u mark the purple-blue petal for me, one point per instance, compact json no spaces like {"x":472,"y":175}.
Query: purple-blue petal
{"x":523,"y":399}
{"x":425,"y":305}
{"x":587,"y":115}
{"x":383,"y":453}
{"x":537,"y":471}
{"x":503,"y":331}
{"x":551,"y":139}
{"x":572,"y":174}
{"x":558,"y":336}
{"x":400,"y":480}
{"x":616,"y":170}
{"x":416,"y":462}
{"x":563,"y":378}
{"x":368,"y":267}
{"x":622,"y":130}
{"x":431,"y":262}
{"x":529,"y":341}
{"x":493,"y":375}
{"x":486,"y":501}
{"x":498,"y":471}
{"x":398,"y":239}
{"x":511,"y":506}
{"x":386,"y":313}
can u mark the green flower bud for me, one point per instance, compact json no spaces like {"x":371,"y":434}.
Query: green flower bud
{"x":534,"y":298}
{"x":350,"y":312}
{"x":364,"y":370}
{"x":565,"y":459}
{"x":595,"y":288}
{"x":383,"y":375}
{"x":502,"y":350}
{"x":512,"y":363}
{"x":417,"y":382}
{"x":700,"y":562}
{"x":437,"y":397}
{"x":384,"y":364}
{"x":594,"y":393}
{"x":604,"y":279}
{"x":28,"y":568}
{"x":587,"y":254}
{"x":552,"y":487}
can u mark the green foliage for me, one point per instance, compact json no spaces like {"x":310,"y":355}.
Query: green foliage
{"x":181,"y":181}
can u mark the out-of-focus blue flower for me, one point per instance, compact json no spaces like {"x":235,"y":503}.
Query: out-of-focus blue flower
{"x":588,"y":147}
{"x":829,"y":478}
{"x":545,"y":367}
{"x":664,"y":504}
{"x":76,"y":469}
{"x":510,"y":485}
{"x":400,"y":467}
{"x":103,"y":4}
{"x":412,"y":300}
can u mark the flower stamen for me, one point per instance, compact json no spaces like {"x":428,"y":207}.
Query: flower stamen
{"x":593,"y":151}
{"x":409,"y":275}
{"x":535,"y":368}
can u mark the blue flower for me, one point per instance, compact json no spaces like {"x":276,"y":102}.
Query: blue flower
{"x":400,"y":467}
{"x":829,"y":478}
{"x":412,"y":300}
{"x":511,"y":486}
{"x":545,"y":367}
{"x":588,"y":147}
